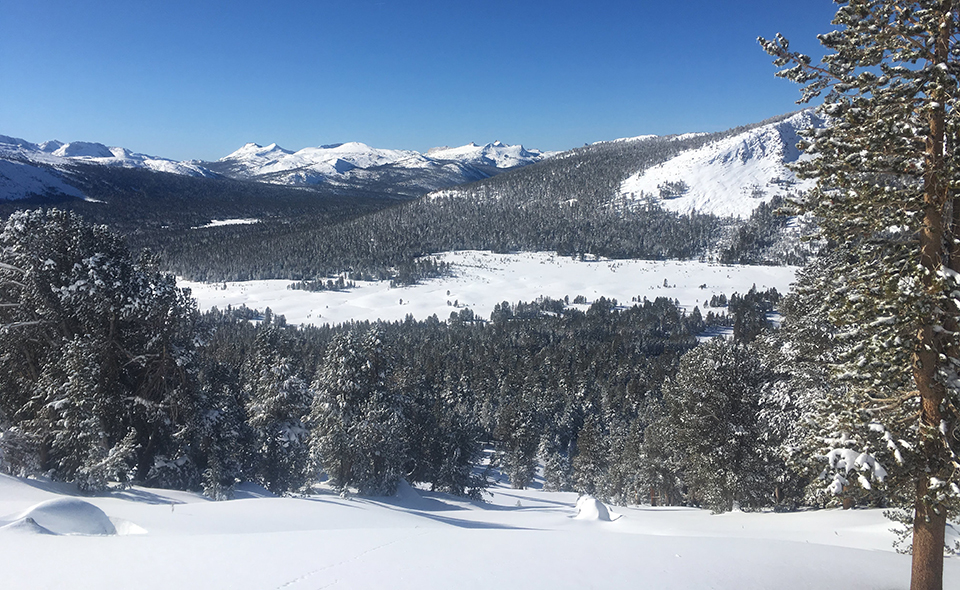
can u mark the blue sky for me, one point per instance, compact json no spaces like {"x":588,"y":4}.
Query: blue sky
{"x":197,"y":79}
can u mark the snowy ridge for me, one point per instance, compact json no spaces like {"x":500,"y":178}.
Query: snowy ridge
{"x":314,"y":165}
{"x":495,"y":154}
{"x":728,"y":177}
{"x":35,"y":160}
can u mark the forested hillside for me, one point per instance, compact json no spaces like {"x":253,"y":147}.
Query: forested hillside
{"x":111,"y":374}
{"x":568,"y":204}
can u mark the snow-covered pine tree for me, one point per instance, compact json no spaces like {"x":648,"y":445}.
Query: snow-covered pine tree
{"x":83,"y":294}
{"x":591,"y":462}
{"x":886,"y":169}
{"x":76,"y":415}
{"x":277,"y":403}
{"x":357,"y":418}
{"x":223,"y":433}
{"x":713,"y":404}
{"x":816,"y":418}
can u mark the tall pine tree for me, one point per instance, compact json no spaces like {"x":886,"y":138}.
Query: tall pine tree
{"x":886,"y":170}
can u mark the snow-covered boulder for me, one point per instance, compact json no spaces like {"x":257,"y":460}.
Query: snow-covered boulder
{"x":68,"y":516}
{"x":589,"y":508}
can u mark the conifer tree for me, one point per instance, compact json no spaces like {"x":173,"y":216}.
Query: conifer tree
{"x":886,"y":170}
{"x":277,"y":404}
{"x":713,"y":405}
{"x":108,"y":335}
{"x":357,"y":417}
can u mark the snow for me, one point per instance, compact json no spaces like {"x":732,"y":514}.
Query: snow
{"x":19,"y":180}
{"x":68,"y":516}
{"x":483,"y":279}
{"x":83,"y":149}
{"x":419,"y":539}
{"x":589,"y":508}
{"x":61,"y":155}
{"x":235,"y":221}
{"x":731,"y":176}
{"x":316,"y":164}
{"x":329,"y":160}
{"x":495,"y":154}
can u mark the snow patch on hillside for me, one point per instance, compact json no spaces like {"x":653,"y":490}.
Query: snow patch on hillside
{"x":19,"y":180}
{"x":728,"y":177}
{"x":223,"y":222}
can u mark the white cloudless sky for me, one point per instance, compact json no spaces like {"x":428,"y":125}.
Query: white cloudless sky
{"x":197,"y":79}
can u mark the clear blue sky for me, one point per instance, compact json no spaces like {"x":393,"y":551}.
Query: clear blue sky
{"x":197,"y":79}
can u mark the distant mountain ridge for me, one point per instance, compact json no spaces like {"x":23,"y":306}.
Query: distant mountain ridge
{"x":30,"y":169}
{"x":357,"y":164}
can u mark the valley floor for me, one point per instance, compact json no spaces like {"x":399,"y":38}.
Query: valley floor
{"x":417,"y":539}
{"x":481,"y":280}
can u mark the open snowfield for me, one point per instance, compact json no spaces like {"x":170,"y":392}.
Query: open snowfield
{"x":483,"y":279}
{"x":418,"y":540}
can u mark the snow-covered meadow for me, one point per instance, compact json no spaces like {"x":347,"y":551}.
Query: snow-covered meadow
{"x":163,"y":539}
{"x":480,"y":280}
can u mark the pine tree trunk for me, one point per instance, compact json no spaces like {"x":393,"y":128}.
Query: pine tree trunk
{"x":928,"y":537}
{"x":929,"y":526}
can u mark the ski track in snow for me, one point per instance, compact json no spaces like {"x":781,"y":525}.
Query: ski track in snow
{"x":298,"y":580}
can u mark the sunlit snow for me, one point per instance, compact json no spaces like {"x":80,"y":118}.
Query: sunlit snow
{"x":481,"y":280}
{"x":731,"y":176}
{"x":418,"y":539}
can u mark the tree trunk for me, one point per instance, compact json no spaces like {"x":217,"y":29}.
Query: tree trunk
{"x":928,"y":537}
{"x":929,"y":526}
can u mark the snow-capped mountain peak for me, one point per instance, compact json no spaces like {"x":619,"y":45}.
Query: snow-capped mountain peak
{"x":83,"y":149}
{"x":496,"y":154}
{"x":339,"y":162}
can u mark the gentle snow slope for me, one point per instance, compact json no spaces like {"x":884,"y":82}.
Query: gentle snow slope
{"x":483,"y":279}
{"x":730,"y":176}
{"x":418,"y":540}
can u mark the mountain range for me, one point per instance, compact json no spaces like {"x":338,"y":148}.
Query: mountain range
{"x":50,"y":167}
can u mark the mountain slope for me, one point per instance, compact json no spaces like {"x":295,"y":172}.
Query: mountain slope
{"x":63,"y":156}
{"x":730,"y":176}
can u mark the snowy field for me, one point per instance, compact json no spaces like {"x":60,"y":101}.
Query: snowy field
{"x":156,"y":539}
{"x":483,"y":279}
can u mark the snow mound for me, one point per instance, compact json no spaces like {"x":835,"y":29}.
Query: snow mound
{"x":589,"y":508}
{"x":125,"y":527}
{"x":69,"y":516}
{"x":408,"y":496}
{"x":26,"y":526}
{"x":246,"y":490}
